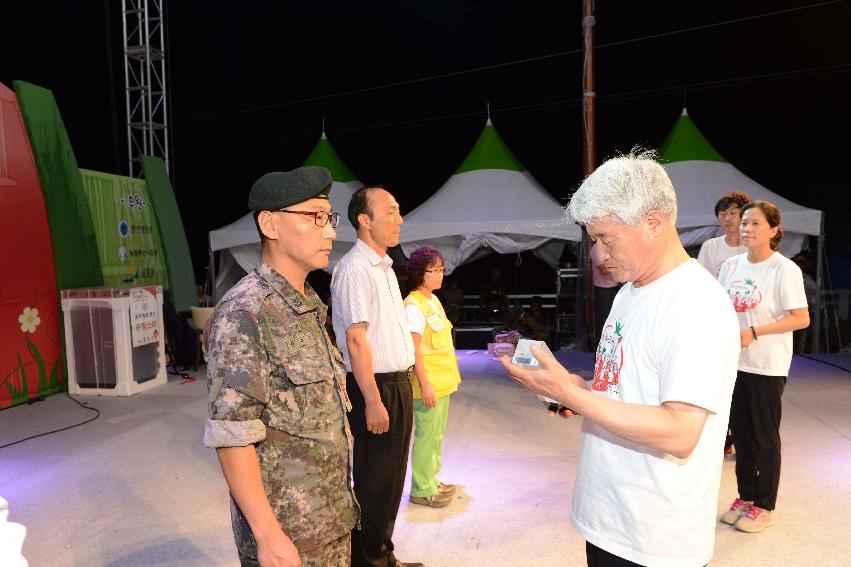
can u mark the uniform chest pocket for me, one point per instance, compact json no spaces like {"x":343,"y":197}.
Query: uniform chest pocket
{"x":303,"y":400}
{"x":441,"y":334}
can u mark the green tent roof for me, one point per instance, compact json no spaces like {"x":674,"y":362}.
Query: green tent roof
{"x":685,"y":142}
{"x":490,"y":152}
{"x":325,"y":156}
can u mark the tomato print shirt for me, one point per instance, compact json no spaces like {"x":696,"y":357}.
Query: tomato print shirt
{"x":675,"y":339}
{"x":762,"y":293}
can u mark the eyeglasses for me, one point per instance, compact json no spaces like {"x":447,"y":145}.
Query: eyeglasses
{"x":436,"y":270}
{"x":321,"y":218}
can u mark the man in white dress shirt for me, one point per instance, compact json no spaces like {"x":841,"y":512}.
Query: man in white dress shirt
{"x":372,"y":333}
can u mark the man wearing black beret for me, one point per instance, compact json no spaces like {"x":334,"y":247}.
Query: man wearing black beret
{"x":277,"y":397}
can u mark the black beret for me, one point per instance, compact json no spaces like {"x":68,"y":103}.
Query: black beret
{"x":280,"y":189}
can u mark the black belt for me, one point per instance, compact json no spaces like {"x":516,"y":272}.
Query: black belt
{"x":395,"y":376}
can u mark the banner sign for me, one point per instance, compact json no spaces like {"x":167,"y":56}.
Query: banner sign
{"x":126,"y":230}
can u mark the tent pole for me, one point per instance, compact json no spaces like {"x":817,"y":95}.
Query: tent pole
{"x":816,"y":346}
{"x":585,"y":331}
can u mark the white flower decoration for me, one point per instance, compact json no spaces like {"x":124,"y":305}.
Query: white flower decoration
{"x":29,"y":320}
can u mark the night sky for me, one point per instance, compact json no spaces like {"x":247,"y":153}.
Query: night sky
{"x":403,"y":88}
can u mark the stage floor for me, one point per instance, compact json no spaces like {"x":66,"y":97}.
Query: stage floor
{"x":136,"y":487}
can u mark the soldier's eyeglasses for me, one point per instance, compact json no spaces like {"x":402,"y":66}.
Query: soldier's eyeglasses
{"x":321,"y":218}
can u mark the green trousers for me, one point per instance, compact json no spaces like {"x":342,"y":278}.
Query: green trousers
{"x":427,"y":454}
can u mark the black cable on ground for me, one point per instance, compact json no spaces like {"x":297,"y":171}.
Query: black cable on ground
{"x":97,"y":415}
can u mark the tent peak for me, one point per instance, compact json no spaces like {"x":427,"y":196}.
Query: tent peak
{"x":686,"y":142}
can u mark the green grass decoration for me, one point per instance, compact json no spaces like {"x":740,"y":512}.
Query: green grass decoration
{"x":22,"y":395}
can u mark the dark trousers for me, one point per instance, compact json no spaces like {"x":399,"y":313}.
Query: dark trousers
{"x":597,"y":557}
{"x":755,"y":413}
{"x":379,"y":465}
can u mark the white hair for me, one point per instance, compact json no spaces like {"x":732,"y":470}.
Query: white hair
{"x":627,"y":188}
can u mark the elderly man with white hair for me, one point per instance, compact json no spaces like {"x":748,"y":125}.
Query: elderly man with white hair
{"x":655,"y":414}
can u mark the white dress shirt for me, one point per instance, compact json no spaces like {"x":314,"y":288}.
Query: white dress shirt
{"x":364,"y":289}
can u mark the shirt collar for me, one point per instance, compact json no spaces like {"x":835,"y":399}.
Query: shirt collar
{"x":372,"y":255}
{"x":298,"y":302}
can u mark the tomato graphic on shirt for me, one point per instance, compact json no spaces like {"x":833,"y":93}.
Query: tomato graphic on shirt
{"x":609,"y":361}
{"x":745,"y":295}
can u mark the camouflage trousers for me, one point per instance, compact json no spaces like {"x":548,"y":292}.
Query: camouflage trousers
{"x":338,"y":553}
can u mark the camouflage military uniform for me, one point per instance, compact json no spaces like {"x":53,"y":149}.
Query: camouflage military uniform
{"x":276,"y":381}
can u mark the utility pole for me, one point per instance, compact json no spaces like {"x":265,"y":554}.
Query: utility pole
{"x":585,"y":307}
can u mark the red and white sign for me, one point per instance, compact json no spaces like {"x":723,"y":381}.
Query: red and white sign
{"x":144,"y":316}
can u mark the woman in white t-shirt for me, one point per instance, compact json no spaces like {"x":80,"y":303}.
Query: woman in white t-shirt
{"x":767,"y":291}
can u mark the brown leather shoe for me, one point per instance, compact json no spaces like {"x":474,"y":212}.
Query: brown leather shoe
{"x":439,"y":500}
{"x":446,"y":488}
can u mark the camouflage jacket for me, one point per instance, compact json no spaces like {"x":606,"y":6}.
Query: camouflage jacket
{"x":275,"y":380}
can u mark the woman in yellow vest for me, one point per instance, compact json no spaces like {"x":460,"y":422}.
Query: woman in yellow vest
{"x":436,"y":376}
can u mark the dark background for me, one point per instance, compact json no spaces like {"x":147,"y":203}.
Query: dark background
{"x":403,"y":88}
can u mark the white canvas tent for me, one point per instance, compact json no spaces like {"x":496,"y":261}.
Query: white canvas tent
{"x":238,"y":243}
{"x":701,"y":176}
{"x":490,"y":204}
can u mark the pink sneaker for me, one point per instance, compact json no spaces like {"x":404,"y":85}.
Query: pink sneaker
{"x":755,"y":520}
{"x":737,"y":509}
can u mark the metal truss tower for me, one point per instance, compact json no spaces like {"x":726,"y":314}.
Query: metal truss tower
{"x":145,"y":81}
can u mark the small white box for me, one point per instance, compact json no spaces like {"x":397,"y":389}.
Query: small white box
{"x":114,"y":340}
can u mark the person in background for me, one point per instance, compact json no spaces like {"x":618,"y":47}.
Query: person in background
{"x":277,"y":399}
{"x":493,"y":298}
{"x":453,"y":300}
{"x":537,"y":323}
{"x":655,"y":414}
{"x":605,"y":290}
{"x":436,"y":376}
{"x":372,"y":333}
{"x":715,"y":251}
{"x":799,"y":337}
{"x":767,"y":291}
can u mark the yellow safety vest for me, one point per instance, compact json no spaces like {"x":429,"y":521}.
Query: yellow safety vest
{"x":436,"y":347}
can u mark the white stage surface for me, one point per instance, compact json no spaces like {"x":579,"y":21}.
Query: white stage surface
{"x":137,"y":488}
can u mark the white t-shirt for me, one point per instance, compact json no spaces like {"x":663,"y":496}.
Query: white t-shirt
{"x":761,"y":294}
{"x":416,"y":317}
{"x":715,"y":251}
{"x":364,"y":288}
{"x":675,"y":339}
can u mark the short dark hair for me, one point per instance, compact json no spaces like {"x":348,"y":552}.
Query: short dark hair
{"x":256,"y":216}
{"x":772,"y":215}
{"x":419,"y":260}
{"x":359,"y":204}
{"x":732,"y":199}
